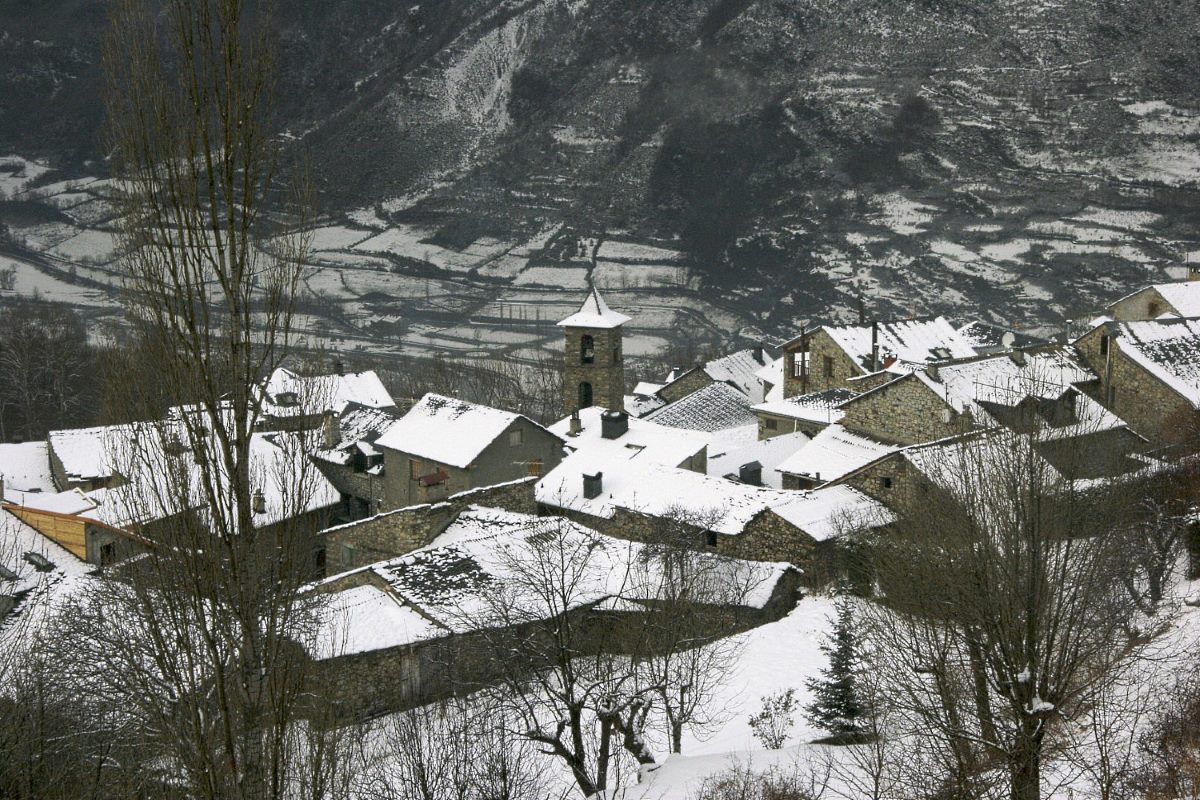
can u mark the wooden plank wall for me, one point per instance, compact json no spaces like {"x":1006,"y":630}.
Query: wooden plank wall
{"x":70,"y":532}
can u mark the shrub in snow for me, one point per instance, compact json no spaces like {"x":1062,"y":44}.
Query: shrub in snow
{"x":743,"y":782}
{"x":772,"y":724}
{"x":837,"y":706}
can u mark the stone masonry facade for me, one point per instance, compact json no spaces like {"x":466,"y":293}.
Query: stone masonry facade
{"x":905,"y":411}
{"x":828,"y":366}
{"x":693,"y":380}
{"x":603,"y":377}
{"x":1149,"y":406}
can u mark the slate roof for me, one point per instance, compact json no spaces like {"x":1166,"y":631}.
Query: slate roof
{"x":715,"y":407}
{"x":1168,"y":349}
{"x":1183,"y":296}
{"x":740,"y":370}
{"x":444,"y":588}
{"x":26,"y":467}
{"x":1002,"y":380}
{"x":823,"y":407}
{"x":988,"y":338}
{"x":911,"y":343}
{"x":360,"y":428}
{"x":594,"y":313}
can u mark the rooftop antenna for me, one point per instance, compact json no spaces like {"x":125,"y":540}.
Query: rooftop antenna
{"x":862,"y":309}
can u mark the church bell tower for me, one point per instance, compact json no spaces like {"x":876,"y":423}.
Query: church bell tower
{"x":594,"y":361}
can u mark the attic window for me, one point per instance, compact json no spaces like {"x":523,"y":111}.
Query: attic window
{"x":39,"y":562}
{"x":885,"y":483}
{"x":941,"y":353}
{"x":1154,"y":308}
{"x":516,"y":437}
{"x":771,"y":424}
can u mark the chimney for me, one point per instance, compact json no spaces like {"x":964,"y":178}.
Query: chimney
{"x":750,"y":474}
{"x":862,"y":310}
{"x":593,"y":485}
{"x":576,"y":424}
{"x":758,"y":353}
{"x":259,"y":502}
{"x":1018,"y":357}
{"x":874,"y":347}
{"x":338,"y":366}
{"x":614,"y":424}
{"x":803,"y":359}
{"x":932,"y":371}
{"x":330,"y":430}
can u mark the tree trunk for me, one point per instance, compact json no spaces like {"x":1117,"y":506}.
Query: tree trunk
{"x":1026,"y":762}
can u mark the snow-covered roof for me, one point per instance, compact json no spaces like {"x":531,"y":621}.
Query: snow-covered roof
{"x":447,"y":430}
{"x":772,"y":375}
{"x":904,"y":345}
{"x":359,"y":427}
{"x":487,"y":556}
{"x":1005,"y":381}
{"x":594,"y":313}
{"x":37,"y":589}
{"x":70,"y":502}
{"x":740,"y":370}
{"x":769,"y":453}
{"x":833,"y":510}
{"x":1167,"y":349}
{"x":656,"y":490}
{"x":287,"y":394}
{"x":26,"y":466}
{"x":988,"y":338}
{"x":833,"y":453}
{"x":715,"y":407}
{"x":823,"y":407}
{"x":646,"y":388}
{"x":644,"y":441}
{"x":94,"y":453}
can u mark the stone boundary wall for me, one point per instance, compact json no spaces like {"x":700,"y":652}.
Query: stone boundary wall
{"x":395,"y":533}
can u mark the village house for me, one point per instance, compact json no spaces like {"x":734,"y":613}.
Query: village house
{"x":806,"y":413}
{"x":1178,"y":299}
{"x":350,"y":461}
{"x":391,"y":629}
{"x":291,"y":401}
{"x":630,"y":498}
{"x":1149,"y":374}
{"x":737,"y":370}
{"x":859,"y":357}
{"x":594,"y":427}
{"x":34,"y":573}
{"x":717,"y":409}
{"x":444,"y":445}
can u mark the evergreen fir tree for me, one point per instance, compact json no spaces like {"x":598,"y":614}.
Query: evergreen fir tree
{"x":837,"y":706}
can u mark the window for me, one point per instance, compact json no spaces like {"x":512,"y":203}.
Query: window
{"x":885,"y":483}
{"x":616,"y":354}
{"x":108,"y":553}
{"x":587,"y":349}
{"x":516,"y":437}
{"x":414,"y":469}
{"x":771,"y":424}
{"x":797,"y":364}
{"x":585,"y":395}
{"x":1154,"y":309}
{"x":827,"y":366}
{"x":1104,"y":345}
{"x":533,"y":468}
{"x":710,"y":538}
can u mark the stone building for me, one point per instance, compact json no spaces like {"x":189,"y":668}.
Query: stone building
{"x":443,"y":446}
{"x":290,"y":401}
{"x":1179,"y":299}
{"x":349,"y":460}
{"x":594,"y":366}
{"x":647,"y":502}
{"x":408,"y":631}
{"x":1149,"y":373}
{"x":807,"y":413}
{"x":851,"y":356}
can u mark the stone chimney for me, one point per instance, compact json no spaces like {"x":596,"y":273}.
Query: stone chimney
{"x":750,"y":474}
{"x":576,"y":425}
{"x":1018,"y":357}
{"x":339,"y":367}
{"x":593,"y":485}
{"x":259,"y":502}
{"x":874,"y":347}
{"x":932,"y":371}
{"x":614,"y":424}
{"x":331,"y":432}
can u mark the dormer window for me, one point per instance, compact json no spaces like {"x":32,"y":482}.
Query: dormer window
{"x":587,"y":349}
{"x":941,"y":353}
{"x":287,"y":399}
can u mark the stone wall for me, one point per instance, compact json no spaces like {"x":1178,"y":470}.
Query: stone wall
{"x":768,"y":537}
{"x":1146,"y":403}
{"x":395,"y":533}
{"x":606,"y":373}
{"x":1145,"y":304}
{"x":693,"y":380}
{"x":784,"y":425}
{"x":841,"y":368}
{"x":905,"y":411}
